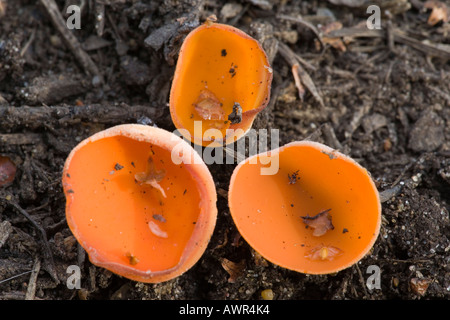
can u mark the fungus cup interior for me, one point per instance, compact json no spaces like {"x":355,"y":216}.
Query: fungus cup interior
{"x":133,"y":209}
{"x":220,"y":73}
{"x":320,"y":212}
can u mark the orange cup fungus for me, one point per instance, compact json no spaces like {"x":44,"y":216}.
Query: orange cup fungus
{"x":139,"y":209}
{"x":319,"y":213}
{"x":222,"y":81}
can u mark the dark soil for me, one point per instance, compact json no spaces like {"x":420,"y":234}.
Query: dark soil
{"x":386,"y":103}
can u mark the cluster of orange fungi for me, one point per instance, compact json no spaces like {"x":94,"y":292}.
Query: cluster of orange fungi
{"x":147,"y":213}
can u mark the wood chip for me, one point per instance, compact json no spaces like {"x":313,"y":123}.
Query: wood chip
{"x":5,"y":231}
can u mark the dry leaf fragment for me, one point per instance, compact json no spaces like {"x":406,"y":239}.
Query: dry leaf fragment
{"x":321,"y":222}
{"x":151,"y":176}
{"x":298,"y":82}
{"x":419,"y":285}
{"x":234,"y":269}
{"x":306,"y":80}
{"x":208,"y":106}
{"x":321,"y":253}
{"x":439,"y":12}
{"x":132,"y":259}
{"x":335,"y":42}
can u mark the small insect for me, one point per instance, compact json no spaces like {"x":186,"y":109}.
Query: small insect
{"x":232,"y":70}
{"x":118,"y":167}
{"x":151,"y":176}
{"x":321,"y":222}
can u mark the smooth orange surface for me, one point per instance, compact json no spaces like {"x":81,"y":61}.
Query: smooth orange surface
{"x":227,"y":63}
{"x":110,"y":212}
{"x":267,"y":209}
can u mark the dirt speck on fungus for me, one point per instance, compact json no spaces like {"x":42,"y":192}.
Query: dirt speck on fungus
{"x":385,"y":103}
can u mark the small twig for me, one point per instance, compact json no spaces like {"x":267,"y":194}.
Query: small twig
{"x":355,"y":32}
{"x":389,"y":72}
{"x":20,"y":138}
{"x":305,"y":24}
{"x":46,"y":247}
{"x":361,"y":279}
{"x":330,"y":136}
{"x":390,"y":36}
{"x":407,"y":260}
{"x":297,"y":81}
{"x":238,"y":17}
{"x":28,"y":43}
{"x":99,"y":17}
{"x":71,"y":41}
{"x":14,"y":295}
{"x":81,"y":255}
{"x":356,"y":119}
{"x":31,"y":289}
{"x":306,"y":80}
{"x":42,"y":117}
{"x":292,"y":57}
{"x":16,"y":276}
{"x":390,"y":193}
{"x":428,"y":48}
{"x":400,"y":176}
{"x":398,"y":36}
{"x":421,"y":158}
{"x":380,"y":55}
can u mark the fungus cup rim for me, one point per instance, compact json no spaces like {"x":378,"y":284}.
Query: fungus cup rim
{"x":336,"y":154}
{"x":200,"y":173}
{"x":248,"y":116}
